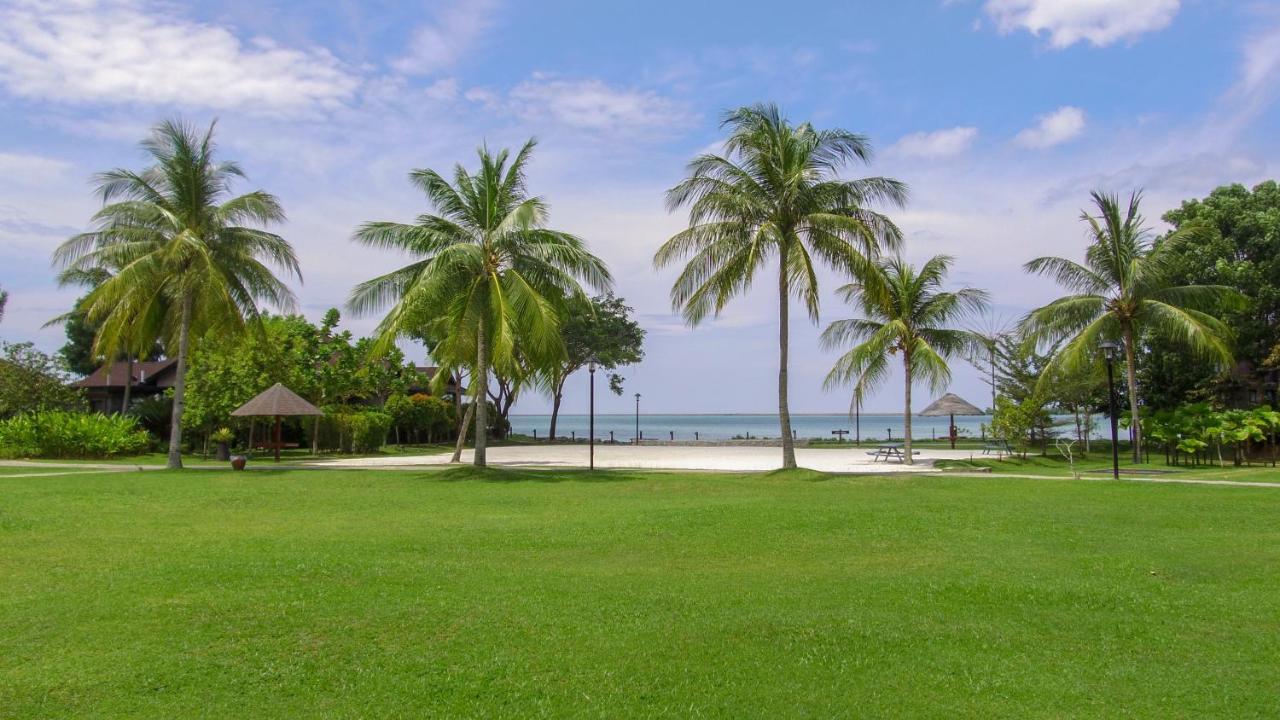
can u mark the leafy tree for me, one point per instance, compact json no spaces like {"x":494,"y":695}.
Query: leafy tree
{"x":381,"y":372}
{"x":31,"y":381}
{"x":228,"y":370}
{"x":774,"y":195}
{"x":486,"y":269}
{"x":904,"y":310}
{"x":77,"y":352}
{"x":1124,"y":289}
{"x":1018,"y":369}
{"x":599,"y":330}
{"x":1243,"y":253}
{"x":185,"y":250}
{"x":4,"y":300}
{"x":1016,"y":422}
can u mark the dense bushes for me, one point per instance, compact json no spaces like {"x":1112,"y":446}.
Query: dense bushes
{"x":60,"y":434}
{"x":421,"y":417}
{"x":353,"y":431}
{"x":1198,"y":433}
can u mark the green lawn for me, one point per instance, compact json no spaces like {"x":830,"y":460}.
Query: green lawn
{"x":524,"y":594}
{"x":258,"y":456}
{"x":1098,"y":465}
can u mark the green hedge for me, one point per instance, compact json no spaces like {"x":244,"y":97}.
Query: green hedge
{"x":61,"y":434}
{"x":359,"y":432}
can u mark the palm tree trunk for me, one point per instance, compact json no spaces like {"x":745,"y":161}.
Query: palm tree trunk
{"x":555,"y":406}
{"x":128,"y":384}
{"x":481,"y":402}
{"x":907,"y":457}
{"x":462,"y":434}
{"x":179,"y":387}
{"x":784,"y":410}
{"x":1135,"y":421}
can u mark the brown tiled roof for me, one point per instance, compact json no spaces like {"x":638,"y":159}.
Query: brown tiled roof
{"x":156,"y":373}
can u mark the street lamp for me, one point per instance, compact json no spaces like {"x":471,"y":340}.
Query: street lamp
{"x":1110,"y":351}
{"x":637,"y":418}
{"x":591,"y":432}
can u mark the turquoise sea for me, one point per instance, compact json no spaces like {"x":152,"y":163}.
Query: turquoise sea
{"x":723,"y":427}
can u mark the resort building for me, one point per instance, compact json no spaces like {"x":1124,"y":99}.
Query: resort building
{"x":104,"y":388}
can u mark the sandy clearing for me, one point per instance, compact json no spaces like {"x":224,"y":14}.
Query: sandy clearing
{"x":667,"y":457}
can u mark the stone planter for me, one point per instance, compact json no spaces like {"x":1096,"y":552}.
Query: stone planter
{"x":238,"y":462}
{"x":224,"y":452}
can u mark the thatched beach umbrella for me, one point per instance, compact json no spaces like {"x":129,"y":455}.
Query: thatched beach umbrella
{"x":951,"y":405}
{"x":277,"y":401}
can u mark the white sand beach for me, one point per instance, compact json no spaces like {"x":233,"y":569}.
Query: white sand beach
{"x":668,"y":457}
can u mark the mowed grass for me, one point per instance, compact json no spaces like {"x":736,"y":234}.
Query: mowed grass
{"x":1098,"y":465}
{"x":527,"y":594}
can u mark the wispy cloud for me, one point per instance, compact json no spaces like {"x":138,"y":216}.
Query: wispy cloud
{"x":936,"y":144}
{"x":594,"y":105}
{"x":452,"y":32}
{"x":27,"y":169}
{"x":1053,"y":128}
{"x":1066,"y":22}
{"x":132,"y":51}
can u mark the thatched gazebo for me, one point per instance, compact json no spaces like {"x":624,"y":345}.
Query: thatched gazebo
{"x":277,"y":401}
{"x":950,"y":405}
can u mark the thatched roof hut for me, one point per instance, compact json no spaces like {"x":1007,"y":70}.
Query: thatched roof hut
{"x":276,"y":401}
{"x":950,"y":404}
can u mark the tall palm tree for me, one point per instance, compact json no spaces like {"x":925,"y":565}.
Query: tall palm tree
{"x":487,"y":273}
{"x":774,"y":196}
{"x":904,"y":310}
{"x":186,"y":254}
{"x":1125,"y":288}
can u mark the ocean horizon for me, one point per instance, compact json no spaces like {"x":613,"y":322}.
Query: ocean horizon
{"x":728,"y":426}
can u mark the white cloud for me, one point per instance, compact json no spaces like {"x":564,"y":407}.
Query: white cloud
{"x":1053,"y":128}
{"x":936,"y":144}
{"x":132,"y":51}
{"x":442,"y":90}
{"x":457,"y":25}
{"x":594,"y":105}
{"x":24,"y":169}
{"x":1100,"y":22}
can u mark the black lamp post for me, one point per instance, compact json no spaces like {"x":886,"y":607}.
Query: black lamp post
{"x":1110,"y":350}
{"x":591,"y":440}
{"x":637,"y":418}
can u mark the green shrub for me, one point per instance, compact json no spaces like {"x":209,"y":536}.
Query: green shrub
{"x":349,"y":429}
{"x":369,"y":431}
{"x":60,"y":434}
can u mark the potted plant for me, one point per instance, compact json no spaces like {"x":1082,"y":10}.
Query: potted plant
{"x":223,"y":437}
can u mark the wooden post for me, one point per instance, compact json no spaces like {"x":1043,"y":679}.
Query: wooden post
{"x":953,"y":431}
{"x":277,"y":438}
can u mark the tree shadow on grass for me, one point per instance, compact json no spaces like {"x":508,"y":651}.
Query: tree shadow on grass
{"x":517,"y":475}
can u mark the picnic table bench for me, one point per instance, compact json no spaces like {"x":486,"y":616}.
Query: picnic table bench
{"x":889,"y":451}
{"x":1000,"y":448}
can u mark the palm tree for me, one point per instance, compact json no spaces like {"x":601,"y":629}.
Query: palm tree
{"x":904,"y":310}
{"x":1125,"y":288}
{"x":185,"y":254}
{"x":487,"y":274}
{"x":774,"y":196}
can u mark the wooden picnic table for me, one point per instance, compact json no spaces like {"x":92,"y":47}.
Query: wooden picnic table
{"x":999,"y":447}
{"x":889,"y":451}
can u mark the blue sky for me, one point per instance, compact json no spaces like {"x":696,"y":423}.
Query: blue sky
{"x":1000,"y":114}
